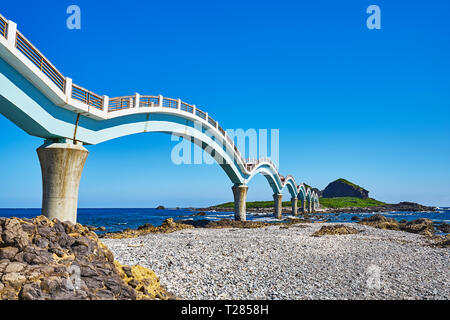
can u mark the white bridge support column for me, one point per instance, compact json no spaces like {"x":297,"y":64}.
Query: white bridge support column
{"x":303,"y":206}
{"x":61,"y":166}
{"x":277,"y":201}
{"x":240,"y":202}
{"x":294,"y":206}
{"x":310,"y":206}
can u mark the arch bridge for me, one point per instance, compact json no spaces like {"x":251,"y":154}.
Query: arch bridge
{"x":39,"y":99}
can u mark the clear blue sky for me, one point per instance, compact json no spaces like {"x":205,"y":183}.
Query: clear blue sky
{"x":371,"y":106}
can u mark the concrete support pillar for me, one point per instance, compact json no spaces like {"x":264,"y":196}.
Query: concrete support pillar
{"x":277,"y":200}
{"x":294,"y":206}
{"x":303,"y":208}
{"x":61,"y":166}
{"x":240,"y":202}
{"x":309,"y":206}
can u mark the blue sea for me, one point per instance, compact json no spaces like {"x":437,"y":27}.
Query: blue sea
{"x":120,"y":219}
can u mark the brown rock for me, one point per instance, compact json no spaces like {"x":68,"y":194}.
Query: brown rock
{"x":3,"y":264}
{"x":8,"y":253}
{"x":18,"y":257}
{"x":13,"y":279}
{"x":338,"y":229}
{"x":13,"y":233}
{"x":127,"y":271}
{"x":29,"y":228}
{"x":133,"y":283}
{"x":43,"y":259}
{"x":444,"y":227}
{"x":31,"y":291}
{"x":41,"y":242}
{"x":15,"y":267}
{"x":421,"y":226}
{"x":69,"y":227}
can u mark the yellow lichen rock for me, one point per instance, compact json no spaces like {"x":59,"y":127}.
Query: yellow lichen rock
{"x":144,"y":281}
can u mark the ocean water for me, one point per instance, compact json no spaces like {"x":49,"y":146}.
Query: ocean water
{"x":120,"y":219}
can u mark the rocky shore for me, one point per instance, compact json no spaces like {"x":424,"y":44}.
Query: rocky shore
{"x":402,"y":206}
{"x":298,"y":261}
{"x":295,"y":259}
{"x":50,"y":260}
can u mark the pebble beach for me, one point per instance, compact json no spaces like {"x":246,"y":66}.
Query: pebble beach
{"x":280,"y":263}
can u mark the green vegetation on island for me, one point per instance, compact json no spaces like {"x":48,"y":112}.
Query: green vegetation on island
{"x":334,"y":203}
{"x":347,"y":202}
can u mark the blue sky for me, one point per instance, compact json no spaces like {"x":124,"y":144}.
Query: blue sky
{"x":371,"y":106}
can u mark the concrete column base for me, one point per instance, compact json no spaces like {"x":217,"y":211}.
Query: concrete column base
{"x":303,"y":208}
{"x":61,"y":166}
{"x":294,"y":206}
{"x":277,"y":199}
{"x":240,"y":202}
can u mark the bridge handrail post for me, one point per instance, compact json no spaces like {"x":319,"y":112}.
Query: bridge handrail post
{"x":11,"y":34}
{"x":137,"y":100}
{"x":68,"y":89}
{"x":194,"y":110}
{"x":160,"y":101}
{"x":105,"y":105}
{"x":179,"y":104}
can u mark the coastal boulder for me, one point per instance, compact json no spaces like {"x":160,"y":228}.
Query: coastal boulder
{"x":43,"y":259}
{"x":381,"y":222}
{"x":338,"y":229}
{"x":422,"y":226}
{"x":344,"y":188}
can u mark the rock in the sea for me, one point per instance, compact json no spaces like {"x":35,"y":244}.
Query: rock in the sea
{"x":421,"y":226}
{"x":199,"y":214}
{"x":42,"y":260}
{"x":381,"y":222}
{"x":344,"y":188}
{"x":444,"y":227}
{"x":160,"y":208}
{"x":167,"y":226}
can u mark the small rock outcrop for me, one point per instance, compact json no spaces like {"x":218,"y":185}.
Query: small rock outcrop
{"x":338,"y":229}
{"x":52,"y":260}
{"x":421,"y":226}
{"x":167,"y":226}
{"x":443,"y":227}
{"x":344,"y":188}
